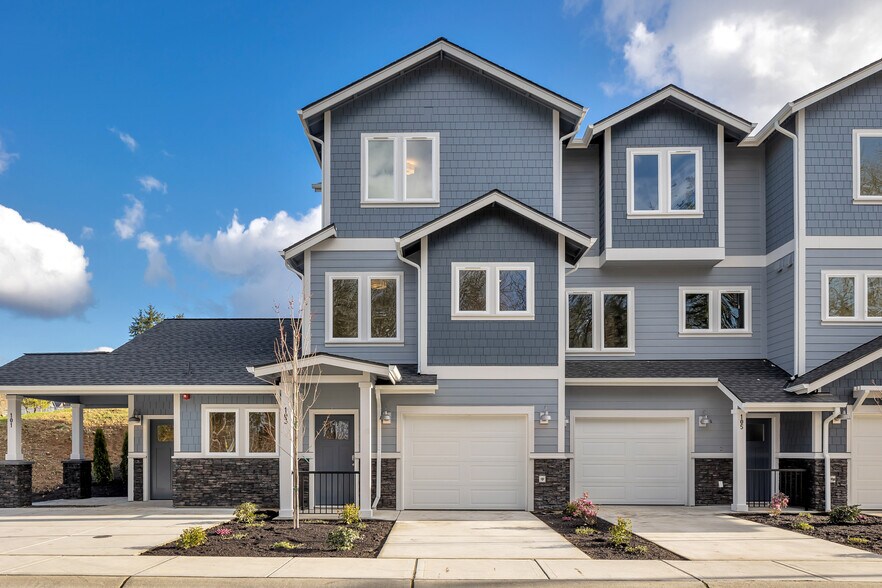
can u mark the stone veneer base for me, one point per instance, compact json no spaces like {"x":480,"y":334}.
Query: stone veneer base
{"x":554,"y":493}
{"x":226,"y":481}
{"x":709,"y":472}
{"x":76,"y":475}
{"x":137,"y":474}
{"x":389,"y":480}
{"x":813,"y":481}
{"x":16,"y":487}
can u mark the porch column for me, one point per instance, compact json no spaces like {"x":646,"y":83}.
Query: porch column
{"x":287,"y":501}
{"x":76,"y":431}
{"x":739,"y":460}
{"x":366,"y":393}
{"x":13,"y":428}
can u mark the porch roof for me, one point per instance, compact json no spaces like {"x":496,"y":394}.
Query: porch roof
{"x":750,"y":380}
{"x":838,"y":367}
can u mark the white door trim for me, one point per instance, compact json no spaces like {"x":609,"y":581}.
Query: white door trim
{"x":687,"y":415}
{"x":310,"y":442}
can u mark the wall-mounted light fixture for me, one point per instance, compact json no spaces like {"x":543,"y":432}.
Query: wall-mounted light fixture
{"x":135,"y":419}
{"x":386,"y":417}
{"x":544,"y":416}
{"x":704,"y":420}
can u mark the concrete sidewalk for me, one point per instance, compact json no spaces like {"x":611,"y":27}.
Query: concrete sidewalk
{"x":54,"y":571}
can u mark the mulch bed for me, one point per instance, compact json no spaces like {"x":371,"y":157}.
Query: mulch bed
{"x":116,"y":488}
{"x":311,"y":540}
{"x":598,"y":546}
{"x":870,"y":529}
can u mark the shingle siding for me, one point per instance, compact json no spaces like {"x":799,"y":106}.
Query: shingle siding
{"x":191,"y":414}
{"x":664,"y":126}
{"x":493,"y":235}
{"x":825,"y":342}
{"x":324,"y":262}
{"x":828,"y":160}
{"x":151,"y":405}
{"x":779,"y":191}
{"x":490,"y":137}
{"x":745,"y":195}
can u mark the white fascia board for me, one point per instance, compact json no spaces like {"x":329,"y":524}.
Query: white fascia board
{"x":408,"y":389}
{"x":714,"y":254}
{"x":718,"y":114}
{"x":768,"y":128}
{"x":315,"y":152}
{"x":430,"y":51}
{"x":390,"y":372}
{"x":326,"y":233}
{"x":791,"y":406}
{"x":135,"y":389}
{"x":843,"y":371}
{"x":642,"y":381}
{"x":496,"y":198}
{"x":491,"y":372}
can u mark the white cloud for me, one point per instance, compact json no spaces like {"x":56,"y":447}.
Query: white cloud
{"x":750,"y":57}
{"x":157,"y":265}
{"x":127,"y":139}
{"x":149,"y":184}
{"x":6,"y":158}
{"x":44,"y":273}
{"x":574,"y":7}
{"x":87,"y":233}
{"x":250,"y":255}
{"x":102,"y":349}
{"x":132,"y":219}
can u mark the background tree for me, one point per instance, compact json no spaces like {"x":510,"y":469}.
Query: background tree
{"x":34,"y":404}
{"x":146,"y":320}
{"x":101,"y":471}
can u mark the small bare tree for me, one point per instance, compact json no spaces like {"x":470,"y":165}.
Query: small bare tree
{"x":296,"y":393}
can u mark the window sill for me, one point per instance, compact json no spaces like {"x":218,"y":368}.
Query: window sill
{"x":401,"y":204}
{"x":608,"y":352}
{"x":364,"y":343}
{"x":852,"y":322}
{"x":664,"y":215}
{"x":741,"y":334}
{"x":493,"y":317}
{"x":867,"y":200}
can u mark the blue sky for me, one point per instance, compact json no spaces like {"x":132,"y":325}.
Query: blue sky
{"x":185,"y":113}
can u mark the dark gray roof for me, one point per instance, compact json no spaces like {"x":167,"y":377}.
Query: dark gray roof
{"x":750,"y":380}
{"x":838,"y":363}
{"x":185,"y":352}
{"x":410,"y":376}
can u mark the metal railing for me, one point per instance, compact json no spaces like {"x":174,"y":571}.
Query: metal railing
{"x":763,"y":483}
{"x":327,"y":492}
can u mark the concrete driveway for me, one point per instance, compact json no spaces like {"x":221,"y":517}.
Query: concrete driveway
{"x":475,"y":535}
{"x":707,"y":533}
{"x":120,"y":529}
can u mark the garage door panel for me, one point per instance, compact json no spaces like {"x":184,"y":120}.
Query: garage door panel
{"x":482,"y":463}
{"x":648,"y":465}
{"x":866,"y":454}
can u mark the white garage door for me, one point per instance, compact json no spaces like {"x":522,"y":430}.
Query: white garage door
{"x":464,"y":462}
{"x":866,"y":455}
{"x":631,"y":460}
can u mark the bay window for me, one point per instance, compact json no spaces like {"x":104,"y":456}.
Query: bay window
{"x":612,"y":310}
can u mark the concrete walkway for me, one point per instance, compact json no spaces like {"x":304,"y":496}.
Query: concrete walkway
{"x":706,"y":533}
{"x":501,"y":535}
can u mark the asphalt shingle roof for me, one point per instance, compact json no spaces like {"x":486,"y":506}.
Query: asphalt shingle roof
{"x":410,"y":376}
{"x":838,"y":363}
{"x":751,"y":380}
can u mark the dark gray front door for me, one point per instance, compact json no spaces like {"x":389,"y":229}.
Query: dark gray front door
{"x":162,"y":443}
{"x":759,"y":460}
{"x":334,"y":459}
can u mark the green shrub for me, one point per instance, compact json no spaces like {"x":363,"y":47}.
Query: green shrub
{"x":585,"y":531}
{"x":638,"y":549}
{"x":286,"y":545}
{"x":192,"y":537}
{"x":238,"y":535}
{"x":101,"y":471}
{"x":845,"y":514}
{"x":802,"y":522}
{"x":621,"y":534}
{"x":570,"y":509}
{"x":343,"y":538}
{"x":124,"y":460}
{"x":858,"y":540}
{"x":245,"y":513}
{"x":349,"y":515}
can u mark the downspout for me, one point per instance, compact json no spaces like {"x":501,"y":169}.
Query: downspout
{"x":379,"y":449}
{"x":826,"y":429}
{"x":420,"y":294}
{"x":796,"y":242}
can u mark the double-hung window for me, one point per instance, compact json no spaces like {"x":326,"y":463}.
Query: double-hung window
{"x":492,"y":291}
{"x":600,"y":321}
{"x":240,"y":431}
{"x":852,"y":296}
{"x":867,"y":165}
{"x":664,"y":182}
{"x":364,"y":307}
{"x":400,"y":169}
{"x":715,"y":311}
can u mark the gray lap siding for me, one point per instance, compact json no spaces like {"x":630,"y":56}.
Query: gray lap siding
{"x":744,"y":202}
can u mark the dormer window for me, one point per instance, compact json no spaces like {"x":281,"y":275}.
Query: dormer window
{"x":399,"y":169}
{"x":664,"y":182}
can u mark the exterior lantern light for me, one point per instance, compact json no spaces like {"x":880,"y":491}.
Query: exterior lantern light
{"x":704,"y":420}
{"x":386,"y":418}
{"x":544,"y":416}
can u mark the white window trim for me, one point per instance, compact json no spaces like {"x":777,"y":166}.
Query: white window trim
{"x":715,"y":323}
{"x":247,"y":427}
{"x":399,"y":176}
{"x":364,"y":300}
{"x":491,"y":292}
{"x":241,"y":412}
{"x":861,"y":277}
{"x":857,"y":197}
{"x":597,"y":330}
{"x":664,"y":182}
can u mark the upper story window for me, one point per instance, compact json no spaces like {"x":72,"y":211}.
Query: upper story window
{"x":867,"y":156}
{"x":715,"y":311}
{"x":600,"y":321}
{"x":664,"y":182}
{"x":492,"y":291}
{"x":399,"y":169}
{"x":852,"y":296}
{"x":364,"y":307}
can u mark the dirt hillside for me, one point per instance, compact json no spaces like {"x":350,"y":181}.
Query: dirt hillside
{"x":46,"y":440}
